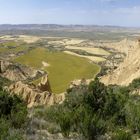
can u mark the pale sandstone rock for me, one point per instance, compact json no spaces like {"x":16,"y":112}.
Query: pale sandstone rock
{"x":16,"y":72}
{"x":44,"y":85}
{"x":4,"y":65}
{"x":35,"y":96}
{"x":129,"y":69}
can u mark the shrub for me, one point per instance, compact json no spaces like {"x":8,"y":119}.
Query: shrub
{"x":4,"y":128}
{"x":122,"y":134}
{"x":133,"y":116}
{"x":13,"y":114}
{"x":65,"y":123}
{"x":98,"y":109}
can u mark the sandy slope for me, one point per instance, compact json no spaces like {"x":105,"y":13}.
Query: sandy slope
{"x":129,"y":69}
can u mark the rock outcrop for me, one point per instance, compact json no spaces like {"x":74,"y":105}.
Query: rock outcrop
{"x":36,"y":96}
{"x":129,"y":69}
{"x":30,"y":94}
{"x":76,"y":83}
{"x":16,"y":72}
{"x":44,"y":85}
{"x":33,"y":95}
{"x":4,"y":65}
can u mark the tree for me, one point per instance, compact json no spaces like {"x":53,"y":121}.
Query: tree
{"x":96,"y":96}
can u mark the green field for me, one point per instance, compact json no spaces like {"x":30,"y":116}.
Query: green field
{"x":63,"y":68}
{"x":15,"y":47}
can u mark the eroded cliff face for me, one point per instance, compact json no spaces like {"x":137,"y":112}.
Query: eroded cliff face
{"x":129,"y":69}
{"x":44,"y":85}
{"x":4,"y":65}
{"x":16,"y":72}
{"x":31,"y":94}
{"x":20,"y":77}
{"x":36,"y":96}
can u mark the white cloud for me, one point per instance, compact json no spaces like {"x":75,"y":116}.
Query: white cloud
{"x":111,"y":0}
{"x":130,"y":10}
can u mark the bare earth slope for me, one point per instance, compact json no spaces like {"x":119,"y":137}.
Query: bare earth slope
{"x":33,"y":95}
{"x":129,"y":69}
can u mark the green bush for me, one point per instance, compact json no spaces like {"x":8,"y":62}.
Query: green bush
{"x":122,"y":134}
{"x":133,"y":116}
{"x":3,"y":82}
{"x":135,"y":84}
{"x":4,"y":128}
{"x":95,"y":110}
{"x":12,"y":108}
{"x":7,"y":132}
{"x":65,"y":123}
{"x":116,"y":99}
{"x":13,"y":115}
{"x":96,"y":97}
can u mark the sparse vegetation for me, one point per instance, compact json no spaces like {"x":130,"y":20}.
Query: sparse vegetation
{"x":95,"y":110}
{"x":89,"y":112}
{"x":13,"y":47}
{"x":13,"y":115}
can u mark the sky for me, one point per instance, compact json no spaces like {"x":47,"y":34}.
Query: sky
{"x":85,"y":12}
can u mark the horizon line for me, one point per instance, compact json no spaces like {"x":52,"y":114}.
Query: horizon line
{"x":12,"y":24}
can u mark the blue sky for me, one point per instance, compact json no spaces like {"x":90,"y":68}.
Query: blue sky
{"x":93,"y":12}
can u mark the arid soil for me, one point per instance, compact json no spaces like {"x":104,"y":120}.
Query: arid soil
{"x":129,"y":69}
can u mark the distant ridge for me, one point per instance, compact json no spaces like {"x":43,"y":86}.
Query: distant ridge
{"x":57,"y":26}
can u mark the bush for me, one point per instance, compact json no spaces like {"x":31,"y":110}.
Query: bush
{"x":77,"y":113}
{"x":96,"y":97}
{"x":4,"y":128}
{"x":98,"y":109}
{"x":64,"y":120}
{"x":3,"y":82}
{"x":122,"y":134}
{"x":116,"y":99}
{"x":133,"y":116}
{"x":13,"y":115}
{"x":7,"y":132}
{"x":135,"y":84}
{"x":12,"y":108}
{"x":93,"y":127}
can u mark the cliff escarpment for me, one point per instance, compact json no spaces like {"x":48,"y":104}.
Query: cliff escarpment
{"x":129,"y":69}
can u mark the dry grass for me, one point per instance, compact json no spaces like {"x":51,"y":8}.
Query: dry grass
{"x":92,"y":58}
{"x":97,"y":51}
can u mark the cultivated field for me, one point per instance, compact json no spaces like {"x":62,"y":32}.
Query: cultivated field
{"x":61,"y":67}
{"x":12,"y":47}
{"x":91,"y":50}
{"x":92,"y":58}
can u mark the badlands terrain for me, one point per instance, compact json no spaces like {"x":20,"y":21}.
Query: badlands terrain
{"x":43,"y":63}
{"x":27,"y":59}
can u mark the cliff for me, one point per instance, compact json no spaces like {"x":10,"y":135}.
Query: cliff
{"x":129,"y":69}
{"x":35,"y":96}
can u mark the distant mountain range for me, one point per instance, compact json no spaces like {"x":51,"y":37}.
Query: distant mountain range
{"x":93,"y":32}
{"x":57,"y":27}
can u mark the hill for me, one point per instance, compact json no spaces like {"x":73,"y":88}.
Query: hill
{"x":129,"y":69}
